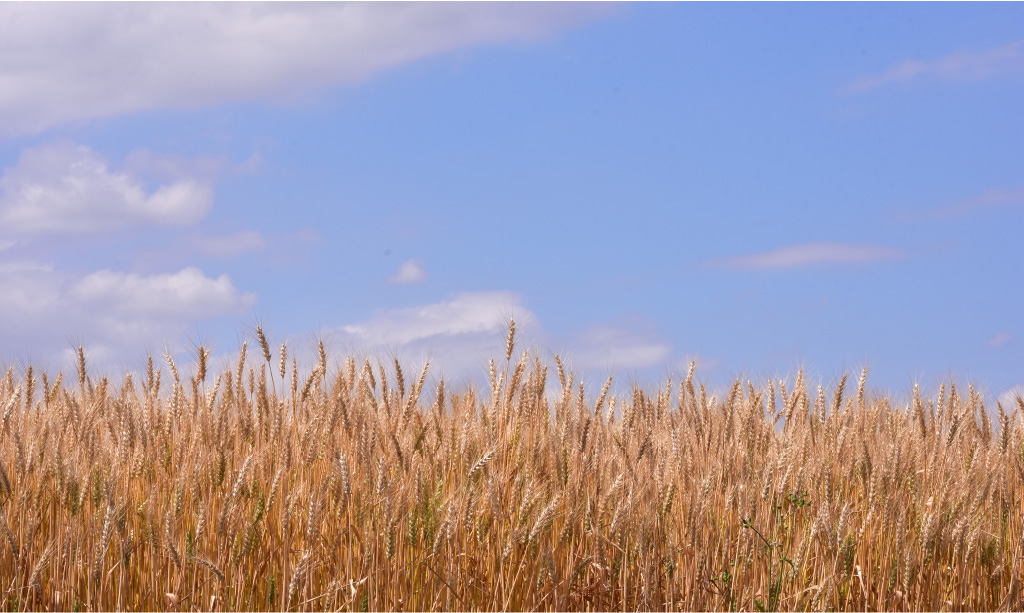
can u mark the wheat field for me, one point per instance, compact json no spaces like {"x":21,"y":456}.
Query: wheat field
{"x":358,"y":488}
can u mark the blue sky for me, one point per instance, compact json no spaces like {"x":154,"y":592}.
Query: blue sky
{"x":758,"y":187}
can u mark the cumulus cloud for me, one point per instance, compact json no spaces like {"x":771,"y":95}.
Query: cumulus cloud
{"x":112,"y":311}
{"x":67,"y":188}
{"x":83,"y":61}
{"x":957,"y":66}
{"x":276,"y":250}
{"x":410,"y":271}
{"x":810,"y":254}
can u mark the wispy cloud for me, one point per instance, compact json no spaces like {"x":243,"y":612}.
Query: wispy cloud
{"x":1001,"y":338}
{"x":165,"y":167}
{"x":231,"y":245}
{"x":86,"y":61}
{"x":988,"y":200}
{"x":606,"y":347}
{"x":957,"y":66}
{"x":810,"y":254}
{"x":284,"y":250}
{"x":459,"y":334}
{"x":68,"y":188}
{"x":410,"y":271}
{"x":467,"y":313}
{"x":702,"y":364}
{"x":462,"y":333}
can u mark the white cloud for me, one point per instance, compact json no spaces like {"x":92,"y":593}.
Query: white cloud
{"x":703,"y":364}
{"x":82,"y":61}
{"x":1009,"y":397}
{"x":809,"y":254}
{"x":31,"y":290}
{"x":187,"y":294}
{"x":460,"y":334}
{"x":463,"y":333}
{"x":466,"y":314}
{"x":614,"y":348}
{"x":66,"y":188}
{"x":410,"y":271}
{"x":280,"y":251}
{"x":957,"y":66}
{"x":108,"y":310}
{"x":1001,"y":338}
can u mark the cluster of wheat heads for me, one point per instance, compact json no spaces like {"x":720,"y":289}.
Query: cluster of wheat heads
{"x":359,"y":489}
